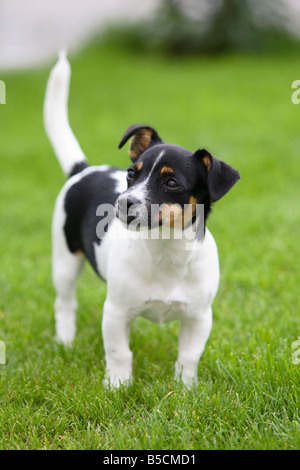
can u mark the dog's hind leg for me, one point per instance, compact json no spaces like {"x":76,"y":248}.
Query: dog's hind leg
{"x":66,"y":268}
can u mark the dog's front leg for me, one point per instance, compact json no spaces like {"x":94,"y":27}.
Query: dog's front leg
{"x":118,"y":357}
{"x":192,"y":339}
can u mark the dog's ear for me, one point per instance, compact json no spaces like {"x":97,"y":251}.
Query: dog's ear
{"x":143,"y":137}
{"x":220,"y":176}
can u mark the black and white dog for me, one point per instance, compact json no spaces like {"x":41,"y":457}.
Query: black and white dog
{"x":161,"y":278}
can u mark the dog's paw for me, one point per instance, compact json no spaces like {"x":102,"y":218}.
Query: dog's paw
{"x":188,"y":382}
{"x":65,"y":340}
{"x":115,"y":381}
{"x":65,"y":326}
{"x":188,"y":378}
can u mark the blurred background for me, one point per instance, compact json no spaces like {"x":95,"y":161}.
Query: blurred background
{"x":32,"y":31}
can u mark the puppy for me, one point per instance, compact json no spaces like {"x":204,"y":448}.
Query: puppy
{"x":160,"y":277}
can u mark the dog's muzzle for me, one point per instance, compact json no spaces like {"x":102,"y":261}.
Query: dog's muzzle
{"x":129,"y":209}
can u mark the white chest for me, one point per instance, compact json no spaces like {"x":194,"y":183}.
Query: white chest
{"x":159,"y":282}
{"x":159,"y":311}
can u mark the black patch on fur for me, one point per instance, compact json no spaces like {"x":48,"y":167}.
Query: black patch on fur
{"x":81,"y":203}
{"x":77,"y":168}
{"x":220,"y":176}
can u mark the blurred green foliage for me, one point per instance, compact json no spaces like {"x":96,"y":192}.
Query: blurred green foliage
{"x":214,"y":26}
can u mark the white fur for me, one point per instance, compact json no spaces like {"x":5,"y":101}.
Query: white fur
{"x":66,"y":268}
{"x":158,"y":279}
{"x":162,"y":281}
{"x":56,"y":120}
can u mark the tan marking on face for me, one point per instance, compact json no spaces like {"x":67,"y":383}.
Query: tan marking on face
{"x":166,"y":169}
{"x":206,"y":161}
{"x":189,"y":211}
{"x":78,"y":252}
{"x":171,"y":215}
{"x":139,"y":166}
{"x":193,"y":202}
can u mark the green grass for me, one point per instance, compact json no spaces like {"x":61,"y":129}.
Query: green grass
{"x":239,"y":107}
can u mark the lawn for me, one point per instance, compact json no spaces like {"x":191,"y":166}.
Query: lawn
{"x":240,"y":109}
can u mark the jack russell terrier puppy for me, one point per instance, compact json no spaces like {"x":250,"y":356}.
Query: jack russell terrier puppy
{"x":160,"y":277}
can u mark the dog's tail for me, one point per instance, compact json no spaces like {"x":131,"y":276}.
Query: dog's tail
{"x":56,"y":121}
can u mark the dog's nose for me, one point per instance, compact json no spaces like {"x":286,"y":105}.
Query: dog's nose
{"x":131,"y":201}
{"x":124,"y":204}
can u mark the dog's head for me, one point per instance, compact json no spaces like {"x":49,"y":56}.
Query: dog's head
{"x":166,"y":182}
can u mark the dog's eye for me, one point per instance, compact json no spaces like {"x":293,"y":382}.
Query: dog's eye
{"x":172,"y":184}
{"x":130,"y":174}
